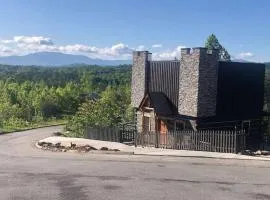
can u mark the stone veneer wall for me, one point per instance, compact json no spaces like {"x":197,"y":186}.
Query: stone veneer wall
{"x":139,"y":77}
{"x":198,"y":82}
{"x":152,"y":120}
{"x":139,"y":121}
{"x":188,"y":83}
{"x":208,"y":76}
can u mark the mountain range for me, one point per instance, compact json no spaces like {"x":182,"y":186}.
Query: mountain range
{"x":57,"y":59}
{"x":61,"y":59}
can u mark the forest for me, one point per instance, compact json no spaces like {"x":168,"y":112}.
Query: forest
{"x":31,"y":96}
{"x":80,"y":95}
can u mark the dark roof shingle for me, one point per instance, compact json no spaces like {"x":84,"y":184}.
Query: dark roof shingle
{"x":160,"y":103}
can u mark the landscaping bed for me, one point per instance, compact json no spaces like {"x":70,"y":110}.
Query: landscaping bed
{"x":60,"y":143}
{"x":72,"y":148}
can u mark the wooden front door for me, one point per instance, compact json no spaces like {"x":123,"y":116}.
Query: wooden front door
{"x":163,"y":132}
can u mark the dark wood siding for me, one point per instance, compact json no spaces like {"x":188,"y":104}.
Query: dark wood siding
{"x":164,"y":77}
{"x":240,"y":90}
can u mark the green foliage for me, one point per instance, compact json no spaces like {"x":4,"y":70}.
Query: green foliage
{"x":33,"y":95}
{"x":111,"y":109}
{"x":213,"y":43}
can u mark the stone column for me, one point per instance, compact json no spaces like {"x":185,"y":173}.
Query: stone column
{"x":139,"y":77}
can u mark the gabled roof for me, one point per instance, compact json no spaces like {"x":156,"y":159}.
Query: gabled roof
{"x":159,"y":102}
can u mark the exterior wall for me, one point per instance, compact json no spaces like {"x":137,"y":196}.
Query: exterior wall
{"x":198,"y":82}
{"x":208,"y":76}
{"x":152,"y":120}
{"x":188,"y":83}
{"x":240,"y":90}
{"x":139,"y":77}
{"x":139,"y":121}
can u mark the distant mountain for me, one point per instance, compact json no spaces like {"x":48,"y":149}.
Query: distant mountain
{"x":57,"y":59}
{"x":240,"y":60}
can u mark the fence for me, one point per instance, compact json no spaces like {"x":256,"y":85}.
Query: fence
{"x":227,"y":141}
{"x":112,"y":134}
{"x":205,"y":140}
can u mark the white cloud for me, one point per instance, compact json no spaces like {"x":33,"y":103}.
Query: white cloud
{"x":39,"y":40}
{"x":78,"y":48}
{"x":31,"y":44}
{"x":140,"y":48}
{"x":21,"y":45}
{"x":157,"y":45}
{"x":119,"y":49}
{"x":6,"y":41}
{"x":168,"y":54}
{"x":245,"y":55}
{"x":6,"y":51}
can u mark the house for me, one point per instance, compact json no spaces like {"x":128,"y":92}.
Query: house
{"x":195,"y":92}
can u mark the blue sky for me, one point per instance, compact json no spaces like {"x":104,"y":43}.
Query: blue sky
{"x":111,"y":29}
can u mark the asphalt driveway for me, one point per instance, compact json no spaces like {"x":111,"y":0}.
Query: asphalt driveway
{"x":30,"y":173}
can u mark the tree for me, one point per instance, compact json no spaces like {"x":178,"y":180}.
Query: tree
{"x":95,"y":95}
{"x":213,"y":43}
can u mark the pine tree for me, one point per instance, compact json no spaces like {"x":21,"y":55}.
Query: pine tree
{"x":213,"y":43}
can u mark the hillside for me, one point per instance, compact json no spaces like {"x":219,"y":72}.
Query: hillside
{"x":57,"y":59}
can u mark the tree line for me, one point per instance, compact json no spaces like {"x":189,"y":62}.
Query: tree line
{"x":31,"y":95}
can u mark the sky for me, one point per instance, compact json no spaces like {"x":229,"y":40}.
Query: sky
{"x":112,"y":29}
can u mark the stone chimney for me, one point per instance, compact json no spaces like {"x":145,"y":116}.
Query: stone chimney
{"x":140,"y":70}
{"x":198,"y":82}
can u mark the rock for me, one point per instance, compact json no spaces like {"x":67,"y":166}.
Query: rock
{"x":88,"y":148}
{"x":45,"y":144}
{"x":58,"y":145}
{"x":64,"y":150}
{"x":72,"y":150}
{"x":259,"y":152}
{"x":55,"y":149}
{"x":247,"y":152}
{"x":41,"y":143}
{"x":104,"y":148}
{"x":72,"y":146}
{"x":49,"y":144}
{"x":116,"y":150}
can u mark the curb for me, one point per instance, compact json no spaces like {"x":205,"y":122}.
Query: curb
{"x":38,"y":146}
{"x":181,"y":156}
{"x":208,"y":157}
{"x":95,"y":151}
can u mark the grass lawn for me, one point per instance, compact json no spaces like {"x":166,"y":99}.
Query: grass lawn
{"x":34,"y":125}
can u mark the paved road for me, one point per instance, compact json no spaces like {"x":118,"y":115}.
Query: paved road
{"x":28,"y":173}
